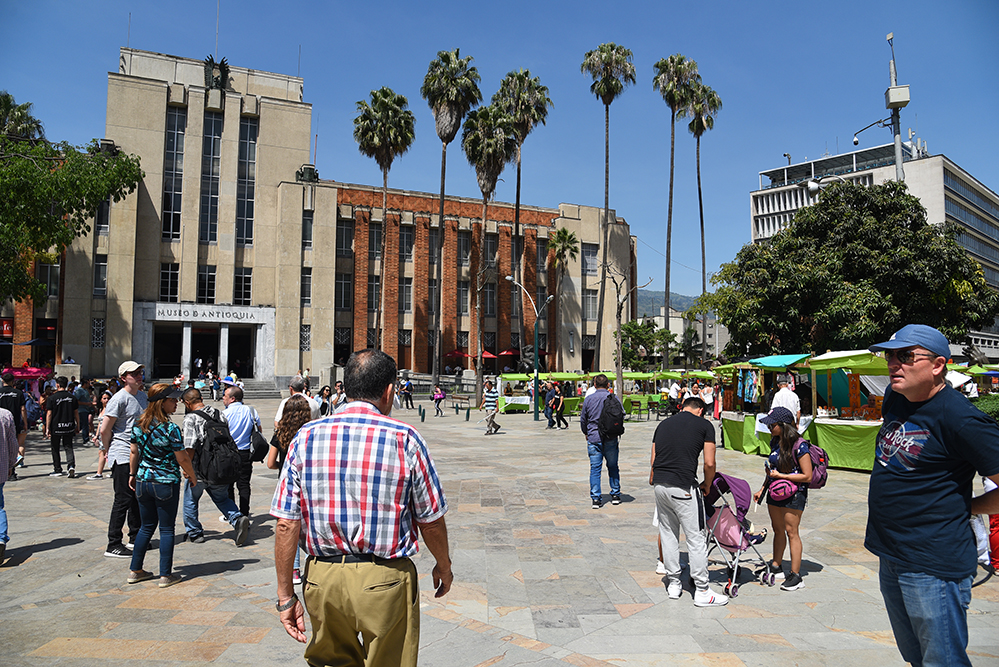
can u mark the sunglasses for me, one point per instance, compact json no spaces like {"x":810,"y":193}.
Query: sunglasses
{"x":907,"y":356}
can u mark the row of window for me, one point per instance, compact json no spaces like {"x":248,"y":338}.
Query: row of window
{"x":242,"y":284}
{"x":342,"y":336}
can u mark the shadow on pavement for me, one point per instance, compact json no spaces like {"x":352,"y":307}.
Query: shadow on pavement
{"x":18,"y":555}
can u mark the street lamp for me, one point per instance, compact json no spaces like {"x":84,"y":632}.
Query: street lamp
{"x":814,"y":185}
{"x":896,"y":97}
{"x":537,"y":319}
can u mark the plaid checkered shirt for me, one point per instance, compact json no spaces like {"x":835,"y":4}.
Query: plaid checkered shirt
{"x":359,"y":482}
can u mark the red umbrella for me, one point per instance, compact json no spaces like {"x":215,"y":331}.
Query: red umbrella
{"x":457,"y":353}
{"x":28,"y":373}
{"x":486,"y":354}
{"x":510,"y":352}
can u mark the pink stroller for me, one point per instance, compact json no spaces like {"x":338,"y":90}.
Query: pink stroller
{"x":729,"y":531}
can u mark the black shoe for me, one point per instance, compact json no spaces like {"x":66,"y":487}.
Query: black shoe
{"x":615,"y":500}
{"x":118,"y":551}
{"x":242,"y":530}
{"x":199,"y":539}
{"x":792,"y":583}
{"x":596,"y":504}
{"x":3,"y":549}
{"x":72,"y":473}
{"x":775,"y":570}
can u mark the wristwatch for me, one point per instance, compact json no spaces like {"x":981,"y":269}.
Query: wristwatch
{"x":287,"y":605}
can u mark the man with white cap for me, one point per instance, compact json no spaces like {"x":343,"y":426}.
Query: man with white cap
{"x":928,"y":450}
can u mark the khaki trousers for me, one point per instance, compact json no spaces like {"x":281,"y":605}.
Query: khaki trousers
{"x":362,"y":613}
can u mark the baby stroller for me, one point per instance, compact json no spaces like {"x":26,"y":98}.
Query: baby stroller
{"x":729,"y":531}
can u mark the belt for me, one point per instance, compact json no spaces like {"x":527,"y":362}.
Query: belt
{"x":354,"y":558}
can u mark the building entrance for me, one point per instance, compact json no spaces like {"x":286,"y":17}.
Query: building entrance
{"x":167,"y":347}
{"x":204,"y":346}
{"x":242,"y":347}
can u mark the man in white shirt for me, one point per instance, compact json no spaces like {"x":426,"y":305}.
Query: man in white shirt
{"x":785,"y":398}
{"x":297,"y":386}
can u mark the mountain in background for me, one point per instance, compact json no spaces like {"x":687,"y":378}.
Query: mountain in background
{"x":650,"y":301}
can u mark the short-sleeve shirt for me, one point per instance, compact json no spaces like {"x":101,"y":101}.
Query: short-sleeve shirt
{"x":63,"y":406}
{"x":919,"y":502}
{"x":125,"y":408}
{"x":679,"y":442}
{"x":12,"y":398}
{"x":785,"y":398}
{"x":801,"y":448}
{"x":157,"y":460}
{"x":242,"y":420}
{"x":490,"y":398}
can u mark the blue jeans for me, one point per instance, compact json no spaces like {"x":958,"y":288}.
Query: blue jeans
{"x":550,"y":416}
{"x":599,"y":451}
{"x":929,"y":615}
{"x":3,"y":518}
{"x":157,"y":506}
{"x":218,"y":494}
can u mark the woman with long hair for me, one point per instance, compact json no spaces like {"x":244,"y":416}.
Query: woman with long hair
{"x":789,"y":460}
{"x":439,"y":397}
{"x":325,"y":398}
{"x":102,"y":453}
{"x":559,"y":407}
{"x":157,"y":460}
{"x":296,"y":413}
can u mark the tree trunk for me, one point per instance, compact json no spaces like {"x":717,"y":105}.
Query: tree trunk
{"x":603,"y":263}
{"x":478,"y":306}
{"x":620,"y":362}
{"x":669,"y":228}
{"x":704,"y":266}
{"x":435,"y":375}
{"x":518,"y":258}
{"x":381,"y":296}
{"x":558,"y":319}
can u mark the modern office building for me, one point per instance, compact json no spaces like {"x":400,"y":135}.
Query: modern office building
{"x":948,"y":192}
{"x":233,"y":250}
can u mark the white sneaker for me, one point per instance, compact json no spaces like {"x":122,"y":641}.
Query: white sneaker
{"x":660,"y":567}
{"x":674,"y":590}
{"x":708,"y":598}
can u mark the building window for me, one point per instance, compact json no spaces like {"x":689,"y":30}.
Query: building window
{"x":242,"y":286}
{"x":375,"y":240}
{"x":489,"y":341}
{"x":169,"y":282}
{"x":343,"y":292}
{"x":540,"y":295}
{"x":372,"y":338}
{"x":434,"y":241}
{"x":405,"y":295}
{"x":374,"y":293}
{"x":542,"y":255}
{"x":464,"y":248}
{"x":589,"y":304}
{"x":514,"y":301}
{"x":515,"y":340}
{"x":97,"y":333}
{"x":589,"y":342}
{"x":341,"y":336}
{"x":100,"y":275}
{"x":432,"y":296}
{"x":206,"y":284}
{"x":490,"y":247}
{"x":344,"y":237}
{"x":542,"y":341}
{"x":102,"y":223}
{"x":462,"y":339}
{"x":307,"y":229}
{"x":406,"y":243}
{"x":48,"y":275}
{"x":306,"y":286}
{"x":305,"y":338}
{"x":489,"y":297}
{"x":463,"y":297}
{"x":590,"y":261}
{"x":246,"y":179}
{"x":173,"y":172}
{"x":211,"y":160}
{"x":405,"y":337}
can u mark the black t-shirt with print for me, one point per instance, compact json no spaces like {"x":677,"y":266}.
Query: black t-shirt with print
{"x":679,"y":442}
{"x":63,"y":406}
{"x":12,"y":398}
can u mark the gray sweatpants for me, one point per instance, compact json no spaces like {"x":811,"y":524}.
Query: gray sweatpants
{"x":683,"y":508}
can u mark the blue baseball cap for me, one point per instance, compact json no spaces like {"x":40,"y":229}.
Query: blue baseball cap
{"x":778,"y":415}
{"x":912,"y":335}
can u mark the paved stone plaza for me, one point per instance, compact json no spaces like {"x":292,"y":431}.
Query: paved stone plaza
{"x":540,"y":578}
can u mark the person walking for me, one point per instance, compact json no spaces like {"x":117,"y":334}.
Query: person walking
{"x":156,"y":459}
{"x":62,"y":422}
{"x":8,"y":454}
{"x":102,"y":452}
{"x":789,"y":460}
{"x":295,"y":388}
{"x":559,"y":408}
{"x":195,"y":433}
{"x":242,"y":420}
{"x":296,"y":415}
{"x":930,"y":446}
{"x":14,"y":400}
{"x":407,"y":394}
{"x":85,"y":403}
{"x":549,"y":404}
{"x":785,"y":398}
{"x":439,"y":397}
{"x":490,"y":401}
{"x":362,"y":581}
{"x":599,"y":446}
{"x":325,"y":400}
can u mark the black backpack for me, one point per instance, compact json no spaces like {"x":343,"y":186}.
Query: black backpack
{"x":611,"y":421}
{"x":218,"y":461}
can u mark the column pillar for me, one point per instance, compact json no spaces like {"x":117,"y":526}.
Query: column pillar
{"x":185,"y":351}
{"x":223,"y":349}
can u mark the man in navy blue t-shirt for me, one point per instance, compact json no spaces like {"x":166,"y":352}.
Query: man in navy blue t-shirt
{"x":929,"y":448}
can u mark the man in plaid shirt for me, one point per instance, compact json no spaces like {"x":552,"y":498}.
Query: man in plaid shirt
{"x":355,"y":487}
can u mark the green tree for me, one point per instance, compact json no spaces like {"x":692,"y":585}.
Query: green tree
{"x":526,"y":102}
{"x":47,"y":195}
{"x":690,"y":342}
{"x":637,"y":344}
{"x":489,"y":143}
{"x":384,"y":130}
{"x":673,"y":79}
{"x":564,"y":248}
{"x":451,"y":89}
{"x":849,"y":271}
{"x":704,"y":105}
{"x":612,"y":69}
{"x":16,"y":120}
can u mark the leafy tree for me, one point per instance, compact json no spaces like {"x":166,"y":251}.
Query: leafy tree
{"x":489,"y":143}
{"x":526,"y":101}
{"x":690,"y":341}
{"x":673,"y":79}
{"x":849,"y":271}
{"x":564,"y":247}
{"x":612,"y":69}
{"x":16,"y":120}
{"x":704,"y":104}
{"x":47,"y":194}
{"x":384,"y":130}
{"x":451,"y":89}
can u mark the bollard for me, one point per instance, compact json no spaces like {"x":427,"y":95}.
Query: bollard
{"x":423,"y":416}
{"x":468,"y":413}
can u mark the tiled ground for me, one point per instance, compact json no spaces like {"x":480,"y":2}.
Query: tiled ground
{"x":540,"y":578}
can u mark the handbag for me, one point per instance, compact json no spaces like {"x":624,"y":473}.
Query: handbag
{"x":258,"y":446}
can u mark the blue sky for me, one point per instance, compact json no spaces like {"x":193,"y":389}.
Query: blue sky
{"x":794,"y":77}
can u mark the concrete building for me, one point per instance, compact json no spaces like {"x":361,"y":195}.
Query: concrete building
{"x":247,"y":260}
{"x":717,"y":333}
{"x":948,"y":192}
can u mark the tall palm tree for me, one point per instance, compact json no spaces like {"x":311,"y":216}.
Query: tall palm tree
{"x":489,"y":143}
{"x":673,"y":79}
{"x":526,"y":101}
{"x":451,"y":90}
{"x":704,"y":105}
{"x":384,"y":130}
{"x":564,"y":246}
{"x":16,"y":120}
{"x":612,"y":70}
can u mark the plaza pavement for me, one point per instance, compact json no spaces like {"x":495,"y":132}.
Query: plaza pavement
{"x":540,"y":578}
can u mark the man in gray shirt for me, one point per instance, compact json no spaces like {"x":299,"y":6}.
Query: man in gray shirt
{"x":116,"y":429}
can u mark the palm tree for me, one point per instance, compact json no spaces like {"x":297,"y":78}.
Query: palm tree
{"x":384,"y":130}
{"x":16,"y":120}
{"x":704,"y":104}
{"x":673,"y":79}
{"x":451,"y":89}
{"x":564,"y":246}
{"x":489,"y":143}
{"x":526,"y":101}
{"x":612,"y":70}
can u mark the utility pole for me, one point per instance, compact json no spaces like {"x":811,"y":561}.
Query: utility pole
{"x":896,"y":97}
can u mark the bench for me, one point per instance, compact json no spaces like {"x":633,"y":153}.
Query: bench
{"x":458,"y":401}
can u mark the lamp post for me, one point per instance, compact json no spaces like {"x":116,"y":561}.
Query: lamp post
{"x":896,"y":97}
{"x":537,"y":319}
{"x":814,"y":185}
